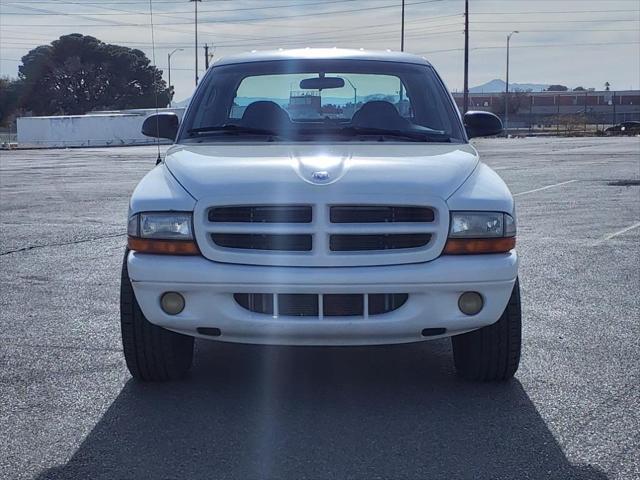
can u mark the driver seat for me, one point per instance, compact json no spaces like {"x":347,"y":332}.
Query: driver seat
{"x":265,"y":114}
{"x":379,"y":114}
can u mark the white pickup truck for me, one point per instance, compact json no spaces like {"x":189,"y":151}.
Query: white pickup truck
{"x":321,"y":197}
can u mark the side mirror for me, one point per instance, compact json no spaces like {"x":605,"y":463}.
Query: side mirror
{"x":161,"y":125}
{"x":482,"y":124}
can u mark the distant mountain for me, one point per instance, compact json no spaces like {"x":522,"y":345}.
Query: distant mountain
{"x":496,"y":86}
{"x":244,"y":101}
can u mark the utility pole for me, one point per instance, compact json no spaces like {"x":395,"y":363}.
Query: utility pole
{"x":169,"y":65}
{"x":355,"y":93}
{"x":586,"y":97}
{"x":402,"y":30}
{"x":195,"y":3}
{"x":530,"y":113}
{"x":465,"y":106}
{"x":506,"y":97}
{"x":401,"y":93}
{"x":557,"y":99}
{"x":206,"y":56}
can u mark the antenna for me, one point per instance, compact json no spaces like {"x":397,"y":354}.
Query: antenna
{"x":155,"y":83}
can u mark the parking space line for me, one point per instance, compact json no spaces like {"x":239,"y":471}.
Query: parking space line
{"x":544,"y":188}
{"x":620,"y":232}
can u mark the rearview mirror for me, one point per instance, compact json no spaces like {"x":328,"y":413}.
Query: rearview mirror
{"x":161,"y":125}
{"x":482,"y":124}
{"x":321,"y":83}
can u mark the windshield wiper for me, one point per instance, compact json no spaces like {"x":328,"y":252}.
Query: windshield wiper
{"x":232,"y":129}
{"x":426,"y":135}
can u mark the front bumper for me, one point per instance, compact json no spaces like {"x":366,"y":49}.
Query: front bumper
{"x":433,"y":288}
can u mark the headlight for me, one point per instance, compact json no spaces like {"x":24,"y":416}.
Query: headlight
{"x":480,"y":232}
{"x":161,"y":226}
{"x":481,"y":225}
{"x":168,"y":233}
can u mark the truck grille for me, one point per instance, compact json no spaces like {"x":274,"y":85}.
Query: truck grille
{"x":261,"y":214}
{"x":253,"y":241}
{"x":379,"y":214}
{"x":321,"y":305}
{"x":316,"y":234}
{"x":354,"y":243}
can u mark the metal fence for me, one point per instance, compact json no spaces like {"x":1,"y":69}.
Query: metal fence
{"x":6,"y":138}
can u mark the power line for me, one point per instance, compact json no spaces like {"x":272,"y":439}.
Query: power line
{"x":217,"y":11}
{"x":20,"y":45}
{"x":292,"y":16}
{"x":540,"y":45}
{"x":314,"y":35}
{"x":527,"y":12}
{"x":226,"y":21}
{"x":515,"y":22}
{"x":565,"y":30}
{"x":234,"y":10}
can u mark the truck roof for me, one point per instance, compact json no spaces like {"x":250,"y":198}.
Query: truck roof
{"x":322,"y":54}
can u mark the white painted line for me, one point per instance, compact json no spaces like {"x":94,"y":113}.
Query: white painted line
{"x":613,"y":235}
{"x":544,"y":188}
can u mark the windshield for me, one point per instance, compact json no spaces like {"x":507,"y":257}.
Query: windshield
{"x":316,"y":100}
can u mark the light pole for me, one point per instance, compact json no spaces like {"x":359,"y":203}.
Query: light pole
{"x":169,"y":68}
{"x":465,"y":100}
{"x":402,"y":30}
{"x":506,"y":97}
{"x":195,"y":3}
{"x":355,"y":94}
{"x":400,"y":93}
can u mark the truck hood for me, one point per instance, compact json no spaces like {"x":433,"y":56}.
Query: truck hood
{"x":436,"y":170}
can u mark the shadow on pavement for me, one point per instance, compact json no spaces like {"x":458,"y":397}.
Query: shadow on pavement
{"x":274,"y":412}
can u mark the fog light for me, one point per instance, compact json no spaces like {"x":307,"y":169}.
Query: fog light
{"x":172,"y":303}
{"x":470,"y":303}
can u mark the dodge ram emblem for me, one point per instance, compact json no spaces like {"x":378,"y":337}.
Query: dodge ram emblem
{"x":322,"y":175}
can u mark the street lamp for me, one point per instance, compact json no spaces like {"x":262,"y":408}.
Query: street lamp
{"x":195,"y":3}
{"x":169,"y":68}
{"x":402,"y":29}
{"x":355,"y":94}
{"x":506,"y":97}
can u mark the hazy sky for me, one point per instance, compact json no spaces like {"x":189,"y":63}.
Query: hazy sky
{"x":573,"y":42}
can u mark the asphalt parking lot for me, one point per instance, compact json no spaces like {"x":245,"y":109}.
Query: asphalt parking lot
{"x":68,"y":408}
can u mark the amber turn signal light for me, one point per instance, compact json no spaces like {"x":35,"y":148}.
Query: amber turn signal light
{"x":470,"y":246}
{"x":166,"y":247}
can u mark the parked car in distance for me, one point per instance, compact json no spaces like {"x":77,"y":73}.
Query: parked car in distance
{"x":321,"y":197}
{"x":624,"y":128}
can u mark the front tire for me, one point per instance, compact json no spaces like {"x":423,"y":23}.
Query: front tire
{"x":492,"y":353}
{"x":152,"y":353}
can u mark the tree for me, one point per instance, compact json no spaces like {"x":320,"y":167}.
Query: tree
{"x":10,"y":91}
{"x":557,"y":88}
{"x":579,"y":89}
{"x":77,"y":74}
{"x":607,"y":86}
